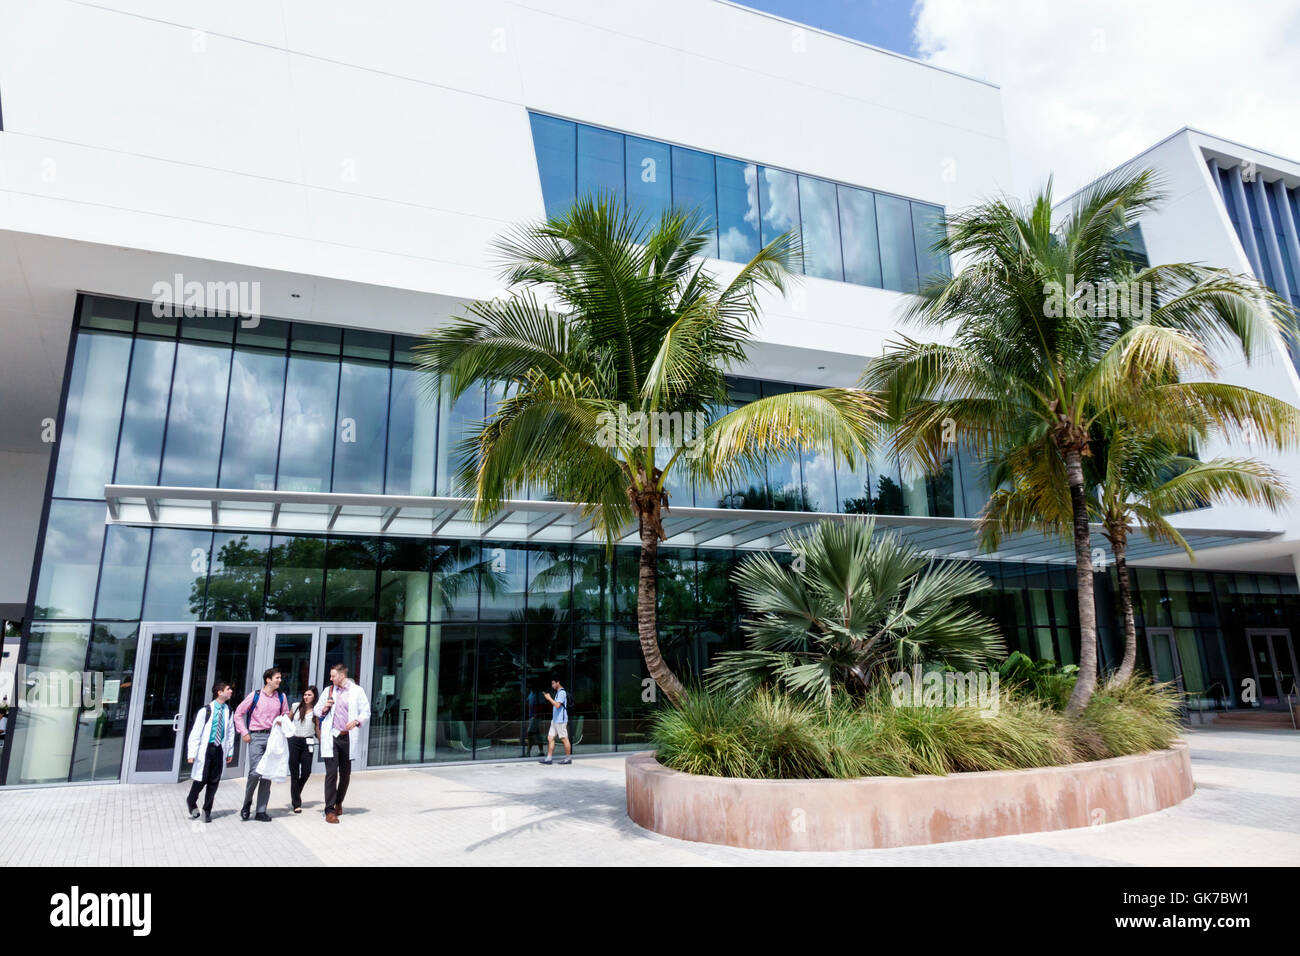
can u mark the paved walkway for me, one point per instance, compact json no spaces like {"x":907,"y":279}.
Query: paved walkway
{"x":1246,"y":811}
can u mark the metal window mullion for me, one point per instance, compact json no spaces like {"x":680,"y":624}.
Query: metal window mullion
{"x":1271,"y":246}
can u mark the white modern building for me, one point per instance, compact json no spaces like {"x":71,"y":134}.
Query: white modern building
{"x":180,"y":499}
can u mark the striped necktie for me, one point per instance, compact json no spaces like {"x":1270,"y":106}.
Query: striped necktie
{"x":218,"y":723}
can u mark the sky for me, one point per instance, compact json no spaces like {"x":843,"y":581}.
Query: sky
{"x":1087,"y":86}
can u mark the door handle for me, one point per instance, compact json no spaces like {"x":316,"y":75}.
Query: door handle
{"x":176,"y":722}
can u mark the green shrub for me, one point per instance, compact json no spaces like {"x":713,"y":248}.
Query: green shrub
{"x":773,"y":735}
{"x":1133,"y":717}
{"x":705,"y":736}
{"x":1039,"y":679}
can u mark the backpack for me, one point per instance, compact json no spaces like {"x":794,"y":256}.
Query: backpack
{"x":253,"y":706}
{"x":568,"y":702}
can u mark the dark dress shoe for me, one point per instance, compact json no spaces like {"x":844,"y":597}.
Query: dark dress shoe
{"x":244,"y":814}
{"x":207,"y":816}
{"x":194,"y":811}
{"x":263,"y":817}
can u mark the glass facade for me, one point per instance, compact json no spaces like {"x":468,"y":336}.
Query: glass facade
{"x":1265,"y":215}
{"x":849,"y":234}
{"x":468,"y":633}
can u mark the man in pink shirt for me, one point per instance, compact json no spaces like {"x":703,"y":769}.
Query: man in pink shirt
{"x":253,"y":719}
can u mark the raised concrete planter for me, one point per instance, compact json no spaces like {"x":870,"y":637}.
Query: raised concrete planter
{"x":873,"y":812}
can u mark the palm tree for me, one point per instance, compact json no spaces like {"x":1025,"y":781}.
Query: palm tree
{"x":1033,"y":358}
{"x":1134,"y":477}
{"x":860,"y":606}
{"x":630,"y":336}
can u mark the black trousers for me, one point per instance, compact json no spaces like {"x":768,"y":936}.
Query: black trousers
{"x":338,"y":770}
{"x":299,"y":768}
{"x":213,"y":762}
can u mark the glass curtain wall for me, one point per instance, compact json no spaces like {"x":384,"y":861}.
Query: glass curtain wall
{"x":849,"y":234}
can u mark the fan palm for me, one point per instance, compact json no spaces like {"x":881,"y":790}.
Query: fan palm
{"x":1134,"y":477}
{"x":614,"y":324}
{"x":856,"y":606}
{"x":1034,"y":359}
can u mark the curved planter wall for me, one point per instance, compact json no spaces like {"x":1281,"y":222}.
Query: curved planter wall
{"x":873,"y":812}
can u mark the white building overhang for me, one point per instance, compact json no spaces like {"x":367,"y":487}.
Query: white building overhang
{"x":562,"y":522}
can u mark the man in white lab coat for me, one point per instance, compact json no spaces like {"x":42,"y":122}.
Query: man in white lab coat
{"x":343,"y":708}
{"x":209,"y":747}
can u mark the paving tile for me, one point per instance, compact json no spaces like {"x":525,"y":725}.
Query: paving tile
{"x":1246,"y":811}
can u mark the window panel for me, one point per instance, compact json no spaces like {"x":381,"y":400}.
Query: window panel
{"x":74,"y":535}
{"x":352,"y":565}
{"x":457,"y":574}
{"x":101,"y":735}
{"x":267,"y":333}
{"x":458,"y":420}
{"x":818,"y":472}
{"x":649,"y":179}
{"x":412,"y":433}
{"x":555,"y":143}
{"x":398,"y":721}
{"x":897,"y":251}
{"x":404,"y":580}
{"x":88,"y":439}
{"x":121,"y":582}
{"x":778,"y":197}
{"x":693,"y":188}
{"x":139,"y":452}
{"x":858,"y":236}
{"x":362,"y":428}
{"x":505,"y":582}
{"x":499,"y":699}
{"x":296,"y":578}
{"x":99,"y":312}
{"x":196,"y":415}
{"x":307,"y":438}
{"x":43,"y":739}
{"x":178,"y":574}
{"x":927,"y":228}
{"x":738,"y":225}
{"x":451,"y":692}
{"x":252,"y":434}
{"x":237,"y":585}
{"x":820,"y":228}
{"x":600,"y":162}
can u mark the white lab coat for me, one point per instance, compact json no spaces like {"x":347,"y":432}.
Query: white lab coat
{"x":358,"y":709}
{"x":274,"y":764}
{"x":201,"y":733}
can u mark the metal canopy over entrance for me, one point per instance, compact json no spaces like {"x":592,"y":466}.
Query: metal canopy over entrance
{"x":321,"y":513}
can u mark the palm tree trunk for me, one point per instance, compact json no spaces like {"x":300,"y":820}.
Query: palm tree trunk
{"x":1119,"y":544}
{"x":647,"y":593}
{"x":1087,"y":682}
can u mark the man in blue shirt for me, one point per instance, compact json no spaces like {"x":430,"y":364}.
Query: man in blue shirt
{"x":559,"y":723}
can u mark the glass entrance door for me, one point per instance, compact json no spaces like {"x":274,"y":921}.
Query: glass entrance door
{"x":157,"y":733}
{"x":1166,"y":664}
{"x":221,"y":652}
{"x":1273,"y":664}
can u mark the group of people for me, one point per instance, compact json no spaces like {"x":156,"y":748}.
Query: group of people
{"x":281,"y":740}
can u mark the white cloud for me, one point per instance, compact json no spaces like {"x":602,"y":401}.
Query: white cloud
{"x":1087,"y":86}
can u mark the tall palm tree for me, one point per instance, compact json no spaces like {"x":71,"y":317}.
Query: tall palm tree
{"x":1135,"y":477}
{"x":611,"y":318}
{"x":1033,"y":359}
